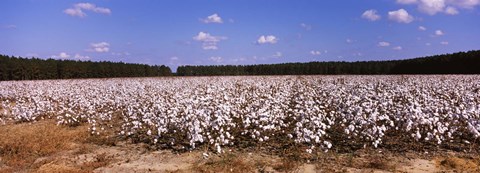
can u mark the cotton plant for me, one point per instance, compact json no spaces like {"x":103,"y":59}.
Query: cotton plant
{"x":315,"y":111}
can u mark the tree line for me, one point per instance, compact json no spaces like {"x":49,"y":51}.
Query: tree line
{"x":456,"y":63}
{"x":17,"y":68}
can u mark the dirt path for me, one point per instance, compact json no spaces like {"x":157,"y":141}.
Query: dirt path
{"x":123,"y":158}
{"x":157,"y":161}
{"x":135,"y":158}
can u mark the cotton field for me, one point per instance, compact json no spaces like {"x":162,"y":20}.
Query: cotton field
{"x":318,"y":113}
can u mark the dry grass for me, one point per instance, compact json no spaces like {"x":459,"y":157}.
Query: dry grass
{"x":227,"y":162}
{"x":287,"y":165}
{"x":22,"y":144}
{"x":378,"y":162}
{"x":243,"y":162}
{"x":54,"y":168}
{"x":99,"y":161}
{"x":361,"y":160}
{"x":459,"y":164}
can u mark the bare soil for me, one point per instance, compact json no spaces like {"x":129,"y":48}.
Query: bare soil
{"x":45,"y":147}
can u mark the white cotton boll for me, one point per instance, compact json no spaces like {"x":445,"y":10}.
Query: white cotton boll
{"x":227,"y":134}
{"x":449,"y":134}
{"x":418,"y":136}
{"x":473,"y":130}
{"x":351,"y":127}
{"x":307,"y":140}
{"x":328,"y":144}
{"x":257,"y":133}
{"x":375,"y":144}
{"x":409,"y":125}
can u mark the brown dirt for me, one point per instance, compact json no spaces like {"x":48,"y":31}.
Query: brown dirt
{"x":462,"y":164}
{"x":45,"y":147}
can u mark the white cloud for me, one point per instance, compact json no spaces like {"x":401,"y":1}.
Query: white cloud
{"x":32,"y":55}
{"x":398,"y":48}
{"x":383,"y":44}
{"x":451,"y":11}
{"x":209,"y":42}
{"x":267,"y":39}
{"x":349,"y":40}
{"x":214,"y":18}
{"x":433,"y":7}
{"x":406,"y":1}
{"x":75,"y":12}
{"x":64,"y":55}
{"x":80,"y":57}
{"x":99,"y":47}
{"x":216,"y":59}
{"x":174,"y":61}
{"x":315,"y":52}
{"x":242,"y":60}
{"x":428,"y":44}
{"x":439,"y":33}
{"x":277,"y":55}
{"x":371,"y":15}
{"x":121,"y":53}
{"x":444,"y":43}
{"x":469,"y":4}
{"x":306,"y":27}
{"x":400,"y":16}
{"x":79,"y":8}
{"x":9,"y":26}
{"x":422,"y":28}
{"x":93,"y":7}
{"x":61,"y":55}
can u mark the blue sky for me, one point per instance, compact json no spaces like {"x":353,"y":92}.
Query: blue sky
{"x":199,"y":32}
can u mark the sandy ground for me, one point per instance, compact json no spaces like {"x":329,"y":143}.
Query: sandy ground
{"x":48,"y":148}
{"x":135,"y":158}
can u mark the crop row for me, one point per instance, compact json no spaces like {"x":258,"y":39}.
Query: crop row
{"x":319,"y":112}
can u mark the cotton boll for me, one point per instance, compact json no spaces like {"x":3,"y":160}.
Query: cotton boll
{"x":327,"y":144}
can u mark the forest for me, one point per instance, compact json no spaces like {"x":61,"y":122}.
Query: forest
{"x":456,"y":63}
{"x":17,"y":68}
